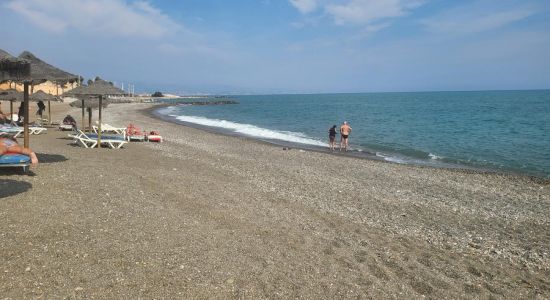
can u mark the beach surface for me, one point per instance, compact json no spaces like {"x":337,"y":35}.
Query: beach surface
{"x":203,"y":215}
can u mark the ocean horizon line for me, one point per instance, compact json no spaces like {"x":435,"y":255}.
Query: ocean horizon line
{"x":355,"y":93}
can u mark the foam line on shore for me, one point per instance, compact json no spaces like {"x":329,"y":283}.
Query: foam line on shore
{"x":252,"y":130}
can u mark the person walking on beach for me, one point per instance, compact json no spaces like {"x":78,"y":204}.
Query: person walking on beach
{"x":21,"y":113}
{"x":331,"y":137}
{"x":345,"y":131}
{"x":41,"y":108}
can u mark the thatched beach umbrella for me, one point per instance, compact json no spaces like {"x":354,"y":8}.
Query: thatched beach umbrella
{"x":9,"y":70}
{"x":11,"y":95}
{"x":3,"y":54}
{"x":13,"y":68}
{"x":14,"y":95}
{"x":43,"y":96}
{"x":42,"y":71}
{"x":89,"y":103}
{"x":30,"y":70}
{"x":99,"y":88}
{"x":17,"y":69}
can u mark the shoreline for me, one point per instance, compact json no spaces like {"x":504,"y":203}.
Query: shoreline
{"x":151,"y":112}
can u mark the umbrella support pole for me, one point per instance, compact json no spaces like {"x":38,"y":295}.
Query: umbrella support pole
{"x":99,"y":125}
{"x":26,"y":114}
{"x":11,"y":111}
{"x":83,"y":117}
{"x":49,"y":113}
{"x":89,"y":119}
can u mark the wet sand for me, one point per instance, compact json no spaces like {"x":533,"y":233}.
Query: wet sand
{"x":204,"y":215}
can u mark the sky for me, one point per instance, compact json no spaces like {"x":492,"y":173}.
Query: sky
{"x":289,"y":46}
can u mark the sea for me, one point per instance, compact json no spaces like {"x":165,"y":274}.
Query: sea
{"x":502,"y":131}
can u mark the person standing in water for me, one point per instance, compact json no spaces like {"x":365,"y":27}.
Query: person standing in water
{"x":331,"y":137}
{"x":345,"y":131}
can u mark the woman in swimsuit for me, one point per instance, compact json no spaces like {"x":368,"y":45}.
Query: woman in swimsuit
{"x":10,"y":145}
{"x":331,"y":137}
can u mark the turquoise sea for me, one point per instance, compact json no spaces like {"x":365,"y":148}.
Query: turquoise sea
{"x":497,"y":130}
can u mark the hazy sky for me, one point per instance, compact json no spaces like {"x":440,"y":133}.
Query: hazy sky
{"x":289,"y":46}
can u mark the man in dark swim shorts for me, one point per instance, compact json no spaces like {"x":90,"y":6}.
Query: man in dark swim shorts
{"x":345,"y":131}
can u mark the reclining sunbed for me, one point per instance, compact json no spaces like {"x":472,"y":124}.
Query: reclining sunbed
{"x":66,"y":127}
{"x":11,"y":160}
{"x":19,"y":129}
{"x":14,"y":131}
{"x":133,"y":133}
{"x":110,"y":129}
{"x":90,"y":140}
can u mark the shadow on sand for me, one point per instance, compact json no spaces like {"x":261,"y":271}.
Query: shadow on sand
{"x":45,"y":158}
{"x":10,"y":187}
{"x":68,"y":138}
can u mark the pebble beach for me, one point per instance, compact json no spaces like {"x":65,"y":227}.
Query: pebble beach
{"x":204,"y":215}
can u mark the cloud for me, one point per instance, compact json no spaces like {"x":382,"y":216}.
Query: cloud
{"x":369,"y":30}
{"x":466,"y":20}
{"x":362,"y":12}
{"x":370,"y":15}
{"x":106,"y":17}
{"x":304,"y":6}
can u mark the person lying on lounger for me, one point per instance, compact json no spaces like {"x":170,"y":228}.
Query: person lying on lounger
{"x":69,"y":120}
{"x":10,"y":145}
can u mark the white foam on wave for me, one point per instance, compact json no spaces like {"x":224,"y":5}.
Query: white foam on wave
{"x":391,"y":158}
{"x":434,"y":157}
{"x":167,"y":110}
{"x":252,"y":131}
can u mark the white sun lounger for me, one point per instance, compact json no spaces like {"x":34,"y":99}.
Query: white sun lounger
{"x":14,"y":131}
{"x":36,"y":130}
{"x":90,"y":141}
{"x":20,"y":129}
{"x":65,"y":127}
{"x":109,"y":128}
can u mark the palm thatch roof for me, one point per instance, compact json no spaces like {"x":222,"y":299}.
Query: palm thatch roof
{"x":11,"y":95}
{"x":13,"y":68}
{"x":89,"y":102}
{"x":4,"y":54}
{"x":42,"y":96}
{"x":96,"y":88}
{"x":42,"y":71}
{"x":14,"y":95}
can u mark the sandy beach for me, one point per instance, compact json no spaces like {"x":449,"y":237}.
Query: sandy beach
{"x":203,"y":215}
